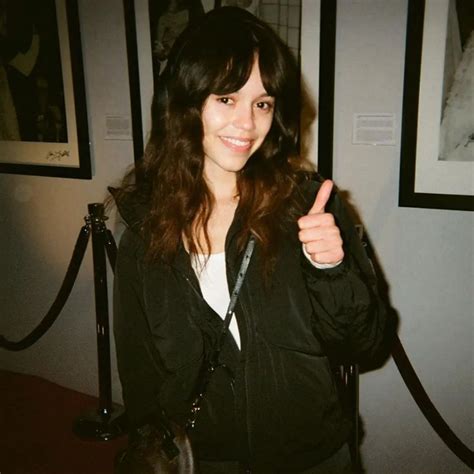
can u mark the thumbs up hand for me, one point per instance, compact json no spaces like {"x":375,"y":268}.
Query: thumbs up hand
{"x":318,"y":231}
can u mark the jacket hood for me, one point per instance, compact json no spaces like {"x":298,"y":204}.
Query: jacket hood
{"x":132,"y":209}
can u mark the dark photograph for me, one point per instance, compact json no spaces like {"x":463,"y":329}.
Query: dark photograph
{"x":457,"y":119}
{"x":167,"y":20}
{"x":32,"y":107}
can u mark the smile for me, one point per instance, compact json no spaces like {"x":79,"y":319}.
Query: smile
{"x":237,"y":143}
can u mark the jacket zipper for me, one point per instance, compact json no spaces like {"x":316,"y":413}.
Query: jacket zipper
{"x":243,"y":364}
{"x":201,"y":297}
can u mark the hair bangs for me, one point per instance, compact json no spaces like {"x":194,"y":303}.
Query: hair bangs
{"x":232,"y":71}
{"x":278,"y":68}
{"x":211,"y":66}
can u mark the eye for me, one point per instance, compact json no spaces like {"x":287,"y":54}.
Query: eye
{"x":266,"y":105}
{"x":224,"y":100}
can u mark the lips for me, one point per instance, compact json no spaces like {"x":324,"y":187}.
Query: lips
{"x":237,"y":144}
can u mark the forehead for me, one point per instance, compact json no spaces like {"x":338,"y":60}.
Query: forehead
{"x":248,"y":81}
{"x":254,"y":82}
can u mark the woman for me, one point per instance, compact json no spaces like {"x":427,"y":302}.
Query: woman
{"x":222,"y":165}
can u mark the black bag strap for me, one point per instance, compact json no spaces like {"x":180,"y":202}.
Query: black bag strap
{"x":233,"y":298}
{"x":212,"y":363}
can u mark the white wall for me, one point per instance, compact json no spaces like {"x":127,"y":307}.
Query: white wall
{"x":426,"y":254}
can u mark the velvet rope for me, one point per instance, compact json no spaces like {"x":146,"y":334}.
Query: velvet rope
{"x":427,"y":407}
{"x":61,"y":298}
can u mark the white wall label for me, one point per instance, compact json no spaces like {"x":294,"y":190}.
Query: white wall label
{"x":118,"y":127}
{"x":374,"y":129}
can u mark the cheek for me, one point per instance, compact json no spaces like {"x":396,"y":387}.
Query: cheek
{"x":205,"y":122}
{"x":212,"y":119}
{"x":266,"y":126}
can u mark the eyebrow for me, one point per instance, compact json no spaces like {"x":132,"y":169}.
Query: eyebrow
{"x":265,"y":95}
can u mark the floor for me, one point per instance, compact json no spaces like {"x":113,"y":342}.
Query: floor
{"x":36,"y":437}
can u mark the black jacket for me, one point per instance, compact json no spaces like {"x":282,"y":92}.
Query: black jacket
{"x":275,"y":402}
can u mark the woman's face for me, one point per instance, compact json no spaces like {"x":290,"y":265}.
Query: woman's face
{"x":235,"y":125}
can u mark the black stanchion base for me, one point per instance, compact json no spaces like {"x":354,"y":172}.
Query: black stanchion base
{"x":100,"y":426}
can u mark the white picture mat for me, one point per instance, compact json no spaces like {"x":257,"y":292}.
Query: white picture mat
{"x":145,"y":66}
{"x":310,"y":39}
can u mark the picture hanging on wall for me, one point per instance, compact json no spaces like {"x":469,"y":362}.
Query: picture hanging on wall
{"x":43,"y":118}
{"x":152,"y":26}
{"x":437,"y":147}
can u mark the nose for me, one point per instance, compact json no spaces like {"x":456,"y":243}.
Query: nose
{"x":244,"y":117}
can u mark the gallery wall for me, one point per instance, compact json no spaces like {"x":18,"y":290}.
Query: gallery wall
{"x":426,"y":254}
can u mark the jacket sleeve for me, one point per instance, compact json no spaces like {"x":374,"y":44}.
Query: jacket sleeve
{"x":349,"y":315}
{"x":138,"y":365}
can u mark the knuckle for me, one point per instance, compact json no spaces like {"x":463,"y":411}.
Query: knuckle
{"x":302,"y":235}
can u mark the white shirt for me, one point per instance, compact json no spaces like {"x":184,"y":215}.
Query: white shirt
{"x":213,"y":282}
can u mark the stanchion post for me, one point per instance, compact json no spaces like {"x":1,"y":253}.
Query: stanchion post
{"x":96,"y":211}
{"x":106,"y":422}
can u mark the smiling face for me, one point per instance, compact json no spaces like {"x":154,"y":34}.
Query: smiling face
{"x":235,"y":126}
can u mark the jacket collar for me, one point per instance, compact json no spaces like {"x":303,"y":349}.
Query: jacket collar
{"x":182,"y":261}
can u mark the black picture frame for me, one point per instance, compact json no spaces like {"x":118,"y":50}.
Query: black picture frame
{"x":327,"y":68}
{"x":68,"y":154}
{"x":425,"y":180}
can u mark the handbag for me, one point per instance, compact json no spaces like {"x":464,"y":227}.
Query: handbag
{"x":159,"y":447}
{"x":162,"y":446}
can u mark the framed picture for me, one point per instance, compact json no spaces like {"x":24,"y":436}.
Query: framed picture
{"x":152,"y":26}
{"x":43,"y":117}
{"x":437,"y":145}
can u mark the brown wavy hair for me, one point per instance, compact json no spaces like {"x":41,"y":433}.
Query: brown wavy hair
{"x":216,"y":56}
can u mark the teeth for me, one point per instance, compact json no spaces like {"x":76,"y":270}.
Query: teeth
{"x":236,"y":141}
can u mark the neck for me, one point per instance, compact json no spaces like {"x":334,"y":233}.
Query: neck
{"x":224,"y":188}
